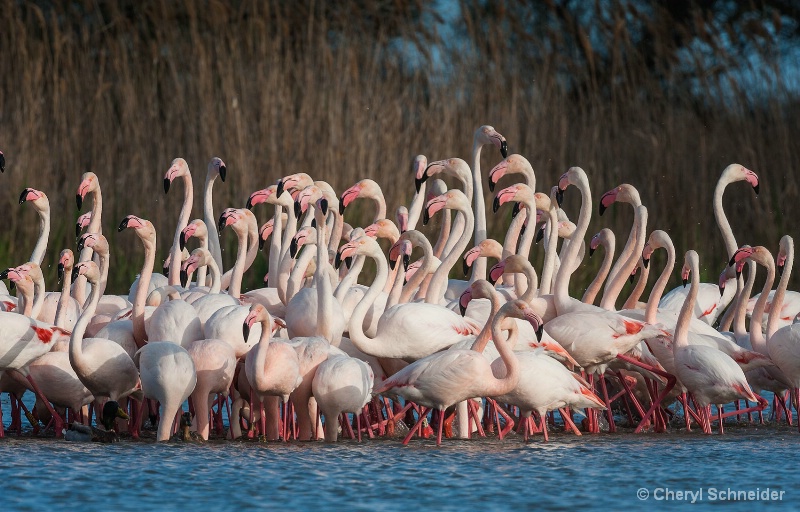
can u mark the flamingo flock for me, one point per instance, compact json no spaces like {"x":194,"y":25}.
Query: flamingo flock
{"x":319,"y":353}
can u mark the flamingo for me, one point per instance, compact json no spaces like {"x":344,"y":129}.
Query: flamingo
{"x":341,"y":384}
{"x":272,"y":367}
{"x":197,"y":228}
{"x":406,"y":331}
{"x":90,"y":184}
{"x":710,"y":301}
{"x":42,"y":206}
{"x":445,"y":378}
{"x":168,"y":376}
{"x":710,"y":375}
{"x":216,"y":169}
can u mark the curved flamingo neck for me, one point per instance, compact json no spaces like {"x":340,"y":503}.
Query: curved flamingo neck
{"x":211,"y":225}
{"x":507,"y":383}
{"x":215,"y":276}
{"x":76,"y":357}
{"x":757,"y":340}
{"x":428,"y":264}
{"x":479,"y":345}
{"x":275,"y":246}
{"x":295,"y":281}
{"x":479,"y":207}
{"x":628,"y":249}
{"x":137,"y":315}
{"x":291,"y":225}
{"x":617,"y":282}
{"x":95,"y":226}
{"x":237,"y":273}
{"x":324,"y":290}
{"x":437,"y":286}
{"x":356,"y":324}
{"x":445,"y":232}
{"x":44,"y":234}
{"x":458,"y":224}
{"x":415,"y":208}
{"x":202,"y":272}
{"x":742,"y":297}
{"x":349,"y":279}
{"x":660,"y":285}
{"x":722,"y":219}
{"x":638,"y":290}
{"x":183,"y":221}
{"x":563,"y":301}
{"x":681,"y":335}
{"x":780,"y":293}
{"x":608,"y":258}
{"x":249,"y":253}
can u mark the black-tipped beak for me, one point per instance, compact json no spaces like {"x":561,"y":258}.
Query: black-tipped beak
{"x":780,"y":270}
{"x":515,"y":210}
{"x":495,"y":204}
{"x":426,"y":217}
{"x":684,"y":282}
{"x":630,"y":278}
{"x":738,"y":274}
{"x":645,"y":262}
{"x":245,"y":332}
{"x":260,"y":244}
{"x":184,"y":278}
{"x":492,"y":184}
{"x":721,"y":289}
{"x":2,"y":163}
{"x":491,"y":279}
{"x":223,"y":171}
{"x":293,"y":248}
{"x":337,"y":261}
{"x":466,"y":267}
{"x":601,"y":209}
{"x":540,"y":235}
{"x":323,"y":205}
{"x":591,"y":251}
{"x":298,"y":210}
{"x":167,"y":183}
{"x":462,"y":308}
{"x":81,"y":244}
{"x":341,"y":207}
{"x":78,"y":201}
{"x":221,"y":224}
{"x":559,"y":197}
{"x":756,"y":188}
{"x":314,"y":223}
{"x":13,"y":286}
{"x":279,"y":188}
{"x":539,"y":332}
{"x":392,"y":263}
{"x":122,"y":225}
{"x":4,"y":274}
{"x":23,"y":195}
{"x":60,"y":271}
{"x":406,"y":261}
{"x":75,"y":273}
{"x":504,"y":149}
{"x":249,"y":203}
{"x":77,"y":230}
{"x":418,"y":183}
{"x":165,"y":271}
{"x":182,"y":241}
{"x":348,"y":262}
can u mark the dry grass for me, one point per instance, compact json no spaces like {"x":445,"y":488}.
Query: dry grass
{"x":93,"y":87}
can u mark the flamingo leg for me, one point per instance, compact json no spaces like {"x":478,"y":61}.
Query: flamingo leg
{"x":671,"y":380}
{"x":567,"y":416}
{"x":358,"y":425}
{"x":441,"y":424}
{"x":413,"y":429}
{"x":609,"y":414}
{"x":544,"y":427}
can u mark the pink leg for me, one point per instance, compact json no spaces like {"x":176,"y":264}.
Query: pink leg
{"x":59,"y":422}
{"x":358,"y":425}
{"x":544,"y":427}
{"x":441,"y":424}
{"x":413,"y":429}
{"x":657,"y":401}
{"x":566,"y":414}
{"x":609,"y":414}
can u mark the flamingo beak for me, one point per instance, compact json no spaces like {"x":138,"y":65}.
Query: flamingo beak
{"x":261,"y":242}
{"x":122,"y":225}
{"x":2,"y":162}
{"x":540,"y":235}
{"x":223,"y":171}
{"x":293,"y":248}
{"x":426,"y":217}
{"x":592,"y":249}
{"x":78,"y":200}
{"x":279,"y":188}
{"x":298,"y":209}
{"x":495,"y":205}
{"x":515,"y":210}
{"x":75,"y":273}
{"x":77,"y":230}
{"x":245,"y":331}
{"x":559,"y":196}
{"x":167,"y":183}
{"x":539,"y":332}
{"x":337,"y":261}
{"x":348,"y":262}
{"x":60,"y":271}
{"x":685,"y":281}
{"x":23,"y":196}
{"x":466,"y":267}
{"x":184,"y":278}
{"x":323,"y":206}
{"x":780,"y":270}
{"x":4,"y":274}
{"x":504,"y":148}
{"x":756,"y":188}
{"x":600,"y":209}
{"x":492,"y":184}
{"x":630,"y":277}
{"x":182,"y":240}
{"x":165,"y":269}
{"x":645,"y":262}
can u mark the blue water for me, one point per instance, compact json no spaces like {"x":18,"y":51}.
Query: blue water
{"x":594,"y":471}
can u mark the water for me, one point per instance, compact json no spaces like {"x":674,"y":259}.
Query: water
{"x":589,"y":471}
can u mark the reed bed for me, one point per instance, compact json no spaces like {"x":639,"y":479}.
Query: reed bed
{"x":355,"y":90}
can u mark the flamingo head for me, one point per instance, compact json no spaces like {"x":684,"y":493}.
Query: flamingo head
{"x":470,"y":256}
{"x":94,"y":241}
{"x":522,"y":310}
{"x":301,"y":238}
{"x":607,"y":200}
{"x":422,"y":175}
{"x":217,"y":167}
{"x":132,"y":221}
{"x":402,"y":218}
{"x":419,"y":166}
{"x":360,"y":245}
{"x":488,"y":135}
{"x":37,"y":197}
{"x":89,"y":269}
{"x":308,"y":195}
{"x":82,"y":222}
{"x":196,"y":227}
{"x":506,"y":195}
{"x":178,"y":168}
{"x":400,"y":248}
{"x":464,"y":300}
{"x":293,"y":182}
{"x":257,"y":313}
{"x":496,"y":271}
{"x":595,"y":243}
{"x":736,"y":172}
{"x":66,"y":261}
{"x":265,"y":232}
{"x":497,"y":172}
{"x":260,"y":196}
{"x":229,"y":217}
{"x":89,"y":183}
